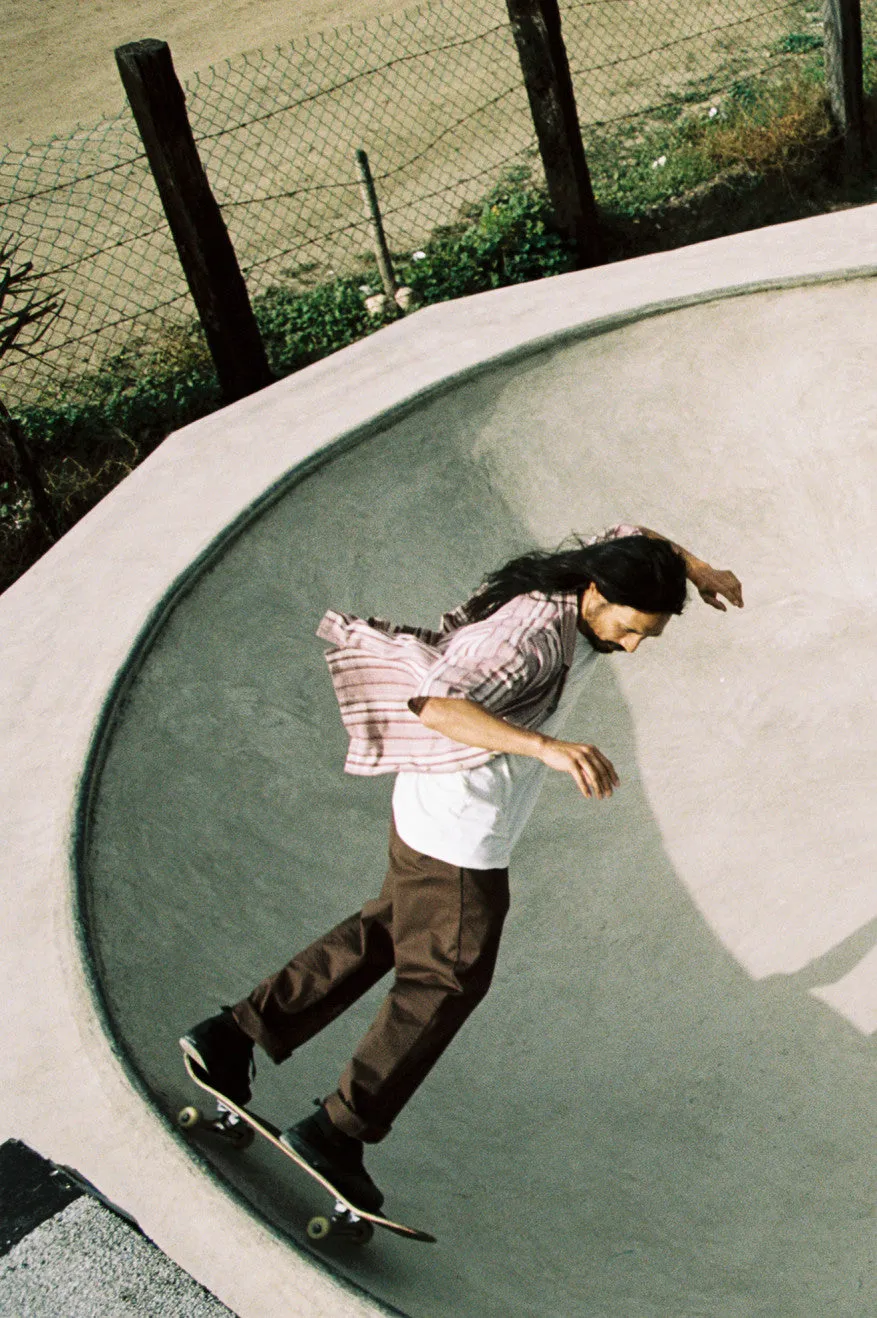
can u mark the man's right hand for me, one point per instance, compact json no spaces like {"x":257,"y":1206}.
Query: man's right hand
{"x":464,"y":721}
{"x":592,"y":772}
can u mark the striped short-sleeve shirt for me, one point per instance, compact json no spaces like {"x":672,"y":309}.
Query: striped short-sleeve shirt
{"x":513,"y":664}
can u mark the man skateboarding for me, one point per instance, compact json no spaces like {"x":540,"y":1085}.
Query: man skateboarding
{"x":468,"y":718}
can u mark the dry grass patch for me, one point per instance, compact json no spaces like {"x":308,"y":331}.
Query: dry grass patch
{"x":769,"y":130}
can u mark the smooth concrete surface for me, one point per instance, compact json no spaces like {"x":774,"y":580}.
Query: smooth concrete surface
{"x":666,"y":1105}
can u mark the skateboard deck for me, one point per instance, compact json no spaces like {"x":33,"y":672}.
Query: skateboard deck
{"x":237,"y":1125}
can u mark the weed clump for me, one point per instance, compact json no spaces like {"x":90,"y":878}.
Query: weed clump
{"x":767,"y":129}
{"x":509,"y":237}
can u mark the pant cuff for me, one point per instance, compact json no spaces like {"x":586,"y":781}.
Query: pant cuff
{"x":346,"y":1120}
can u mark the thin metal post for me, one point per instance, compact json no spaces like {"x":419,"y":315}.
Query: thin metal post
{"x":373,"y":215}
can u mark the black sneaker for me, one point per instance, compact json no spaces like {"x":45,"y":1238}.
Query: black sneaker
{"x":222,"y":1054}
{"x":335,"y":1156}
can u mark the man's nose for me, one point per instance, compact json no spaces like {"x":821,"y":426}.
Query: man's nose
{"x":630,"y":643}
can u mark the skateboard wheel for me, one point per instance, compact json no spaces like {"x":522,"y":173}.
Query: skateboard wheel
{"x":319,"y":1228}
{"x":188,"y":1118}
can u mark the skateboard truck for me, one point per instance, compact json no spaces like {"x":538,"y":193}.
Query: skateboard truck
{"x":238,"y":1126}
{"x":227,"y":1124}
{"x":342,"y":1221}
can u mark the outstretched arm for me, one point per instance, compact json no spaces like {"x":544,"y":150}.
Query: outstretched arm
{"x":465,"y":721}
{"x":710,"y":582}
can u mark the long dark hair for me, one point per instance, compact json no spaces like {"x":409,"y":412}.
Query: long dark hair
{"x":633,"y":570}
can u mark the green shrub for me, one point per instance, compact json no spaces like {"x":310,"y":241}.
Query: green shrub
{"x":155,"y":384}
{"x":797,"y":43}
{"x":753,"y":125}
{"x":300,"y":328}
{"x":508,"y":238}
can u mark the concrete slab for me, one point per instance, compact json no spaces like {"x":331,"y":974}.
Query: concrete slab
{"x":665,"y":1106}
{"x":85,"y":1262}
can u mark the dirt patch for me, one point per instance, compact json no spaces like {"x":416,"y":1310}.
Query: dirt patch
{"x":58,"y":67}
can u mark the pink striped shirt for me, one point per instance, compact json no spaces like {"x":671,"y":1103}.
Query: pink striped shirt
{"x":513,"y":664}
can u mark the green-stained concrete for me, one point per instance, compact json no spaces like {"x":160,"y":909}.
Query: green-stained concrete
{"x":651,"y":1114}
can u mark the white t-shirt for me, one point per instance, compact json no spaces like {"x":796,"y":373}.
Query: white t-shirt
{"x":474,"y":817}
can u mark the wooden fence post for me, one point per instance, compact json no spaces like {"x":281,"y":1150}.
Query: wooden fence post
{"x":536,"y":29}
{"x":842,"y":22}
{"x":208,"y":258}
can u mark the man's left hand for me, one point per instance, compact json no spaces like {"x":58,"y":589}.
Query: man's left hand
{"x":711,"y":582}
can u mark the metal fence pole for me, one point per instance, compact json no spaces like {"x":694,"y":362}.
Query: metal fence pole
{"x":208,"y":258}
{"x":536,"y":29}
{"x":842,"y":21}
{"x":373,"y":215}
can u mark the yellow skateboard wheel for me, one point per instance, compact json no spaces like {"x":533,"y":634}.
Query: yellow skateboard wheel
{"x":188,"y":1118}
{"x":319,"y":1228}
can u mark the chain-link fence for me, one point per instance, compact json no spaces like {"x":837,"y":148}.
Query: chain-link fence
{"x":434,"y":95}
{"x":634,"y":58}
{"x":645,"y":70}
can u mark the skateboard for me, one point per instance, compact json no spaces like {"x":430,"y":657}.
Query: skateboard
{"x":239,"y":1127}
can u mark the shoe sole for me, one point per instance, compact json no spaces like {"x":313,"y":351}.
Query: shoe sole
{"x":191,"y":1050}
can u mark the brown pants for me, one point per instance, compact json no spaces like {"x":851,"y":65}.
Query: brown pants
{"x":439,"y":927}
